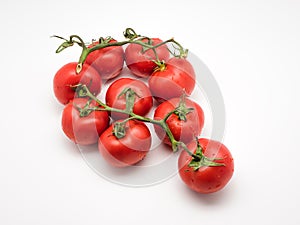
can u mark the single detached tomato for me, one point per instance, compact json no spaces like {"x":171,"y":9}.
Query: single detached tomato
{"x":171,"y":79}
{"x":211,"y":172}
{"x":107,"y":61}
{"x":128,"y":149}
{"x":185,"y":124}
{"x":66,"y":78}
{"x":140,"y":61}
{"x":132,"y":88}
{"x":82,"y":125}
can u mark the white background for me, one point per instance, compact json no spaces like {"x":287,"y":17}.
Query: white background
{"x":251,"y":47}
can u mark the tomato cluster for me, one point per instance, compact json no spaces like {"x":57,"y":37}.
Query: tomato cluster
{"x":158,"y":78}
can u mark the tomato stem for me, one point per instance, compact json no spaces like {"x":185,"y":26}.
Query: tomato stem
{"x":198,"y":158}
{"x":131,"y":38}
{"x":130,"y":98}
{"x":83,"y":91}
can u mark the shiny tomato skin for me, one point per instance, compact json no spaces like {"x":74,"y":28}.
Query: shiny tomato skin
{"x":207,"y":179}
{"x":170,"y":81}
{"x":184,"y":131}
{"x":107,"y":61}
{"x":128,"y":150}
{"x":83,"y":130}
{"x":66,"y":77}
{"x":140,"y":63}
{"x":143,"y":99}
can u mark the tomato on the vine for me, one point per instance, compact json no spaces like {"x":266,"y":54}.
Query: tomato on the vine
{"x":211,"y":172}
{"x":66,"y":79}
{"x":129,"y":148}
{"x":140,"y":60}
{"x":81,"y":123}
{"x":172,"y":78}
{"x":107,"y":61}
{"x":185,"y":123}
{"x":132,"y":88}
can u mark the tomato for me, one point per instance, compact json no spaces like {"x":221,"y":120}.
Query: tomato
{"x":207,"y":179}
{"x":128,"y":150}
{"x":182,"y":130}
{"x":141,"y":63}
{"x":66,"y":77}
{"x":107,"y":61}
{"x":142,"y":97}
{"x":83,"y":130}
{"x":176,"y":76}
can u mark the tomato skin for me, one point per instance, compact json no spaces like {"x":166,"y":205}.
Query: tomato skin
{"x":83,"y":130}
{"x":128,"y":150}
{"x":66,"y":77}
{"x":184,"y":131}
{"x":141,"y":64}
{"x":207,"y":179}
{"x":107,"y":61}
{"x":143,"y":101}
{"x":169,"y":82}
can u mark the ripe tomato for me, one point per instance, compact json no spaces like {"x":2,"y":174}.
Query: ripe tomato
{"x":171,"y":79}
{"x":66,"y":77}
{"x":115,"y":98}
{"x":83,"y":130}
{"x":128,"y":150}
{"x":206,"y":179}
{"x":141,"y":63}
{"x":107,"y":61}
{"x":182,"y":130}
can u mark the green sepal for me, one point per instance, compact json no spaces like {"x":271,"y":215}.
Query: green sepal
{"x":63,"y":46}
{"x":130,"y":98}
{"x":199,"y":160}
{"x":119,"y":130}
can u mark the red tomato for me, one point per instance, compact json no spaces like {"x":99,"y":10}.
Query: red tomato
{"x":128,"y":150}
{"x":182,"y":130}
{"x":143,"y":99}
{"x":87,"y":129}
{"x":66,"y":77}
{"x":206,"y":179}
{"x":141,"y":63}
{"x":170,"y":81}
{"x":107,"y":61}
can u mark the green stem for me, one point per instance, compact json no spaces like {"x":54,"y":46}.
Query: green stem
{"x":83,"y":91}
{"x":198,"y":158}
{"x":133,"y":39}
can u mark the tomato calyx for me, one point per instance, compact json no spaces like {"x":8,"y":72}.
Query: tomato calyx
{"x":181,"y":110}
{"x":199,"y":159}
{"x":130,"y":98}
{"x":161,"y":65}
{"x":86,"y":109}
{"x":119,"y":129}
{"x":105,"y":40}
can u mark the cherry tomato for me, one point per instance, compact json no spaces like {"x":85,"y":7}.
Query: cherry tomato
{"x":176,"y":76}
{"x":207,"y":179}
{"x":184,"y":128}
{"x":83,"y":130}
{"x":128,"y":150}
{"x":107,"y":61}
{"x":141,"y":62}
{"x":116,"y":98}
{"x":66,"y":77}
